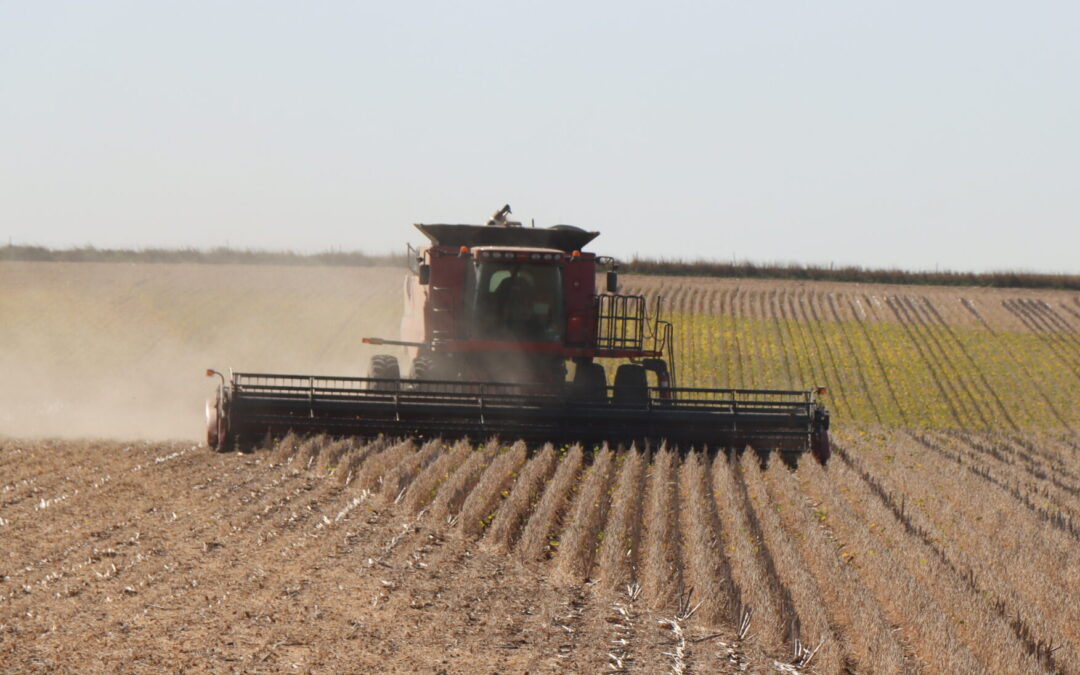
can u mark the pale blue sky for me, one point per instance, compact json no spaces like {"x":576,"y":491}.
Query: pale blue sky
{"x":908,"y":134}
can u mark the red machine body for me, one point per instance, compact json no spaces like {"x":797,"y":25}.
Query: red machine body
{"x":515,"y":304}
{"x":434,"y":311}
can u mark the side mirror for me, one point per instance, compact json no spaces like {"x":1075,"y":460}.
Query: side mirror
{"x":424,"y":272}
{"x":612,"y":282}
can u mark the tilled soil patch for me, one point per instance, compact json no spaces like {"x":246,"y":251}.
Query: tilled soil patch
{"x":151,"y":557}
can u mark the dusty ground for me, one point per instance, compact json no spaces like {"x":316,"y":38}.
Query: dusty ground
{"x":317,"y":555}
{"x":153,"y":557}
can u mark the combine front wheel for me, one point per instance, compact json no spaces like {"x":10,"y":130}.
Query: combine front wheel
{"x":384,"y":367}
{"x":590,"y":383}
{"x":631,"y":385}
{"x":422,"y":368}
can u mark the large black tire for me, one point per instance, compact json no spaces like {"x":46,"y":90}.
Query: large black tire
{"x":384,"y":367}
{"x":427,"y":368}
{"x":631,"y":385}
{"x":422,"y":368}
{"x":590,"y":383}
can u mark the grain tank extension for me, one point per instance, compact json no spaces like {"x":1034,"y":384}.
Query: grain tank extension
{"x":507,"y":335}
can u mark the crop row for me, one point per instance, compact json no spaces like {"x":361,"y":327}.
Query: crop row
{"x":930,"y":361}
{"x":879,"y":563}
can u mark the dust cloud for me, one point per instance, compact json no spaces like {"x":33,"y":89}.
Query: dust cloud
{"x":119,"y":350}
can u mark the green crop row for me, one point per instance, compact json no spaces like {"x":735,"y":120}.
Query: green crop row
{"x":894,"y":374}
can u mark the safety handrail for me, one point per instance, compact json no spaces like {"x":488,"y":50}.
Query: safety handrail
{"x":501,"y":394}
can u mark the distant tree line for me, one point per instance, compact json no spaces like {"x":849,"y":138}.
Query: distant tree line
{"x":653,"y":266}
{"x":851,"y":273}
{"x":212,"y":256}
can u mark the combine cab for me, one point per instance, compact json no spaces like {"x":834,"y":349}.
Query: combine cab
{"x":494,"y":316}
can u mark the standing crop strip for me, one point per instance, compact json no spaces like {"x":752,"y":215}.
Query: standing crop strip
{"x":890,"y":359}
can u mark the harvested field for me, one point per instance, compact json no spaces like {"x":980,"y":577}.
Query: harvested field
{"x":153,"y":556}
{"x":880,"y":563}
{"x":942,"y":537}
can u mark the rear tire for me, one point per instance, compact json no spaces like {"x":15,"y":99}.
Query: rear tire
{"x":384,"y":367}
{"x":631,"y":385}
{"x":590,"y":383}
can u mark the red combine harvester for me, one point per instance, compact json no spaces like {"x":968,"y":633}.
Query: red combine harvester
{"x":494,"y":314}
